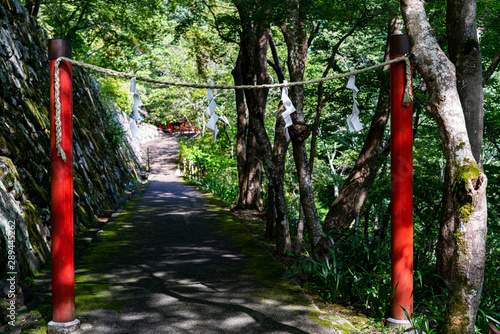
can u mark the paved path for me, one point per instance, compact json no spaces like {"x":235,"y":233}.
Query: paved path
{"x":164,"y":266}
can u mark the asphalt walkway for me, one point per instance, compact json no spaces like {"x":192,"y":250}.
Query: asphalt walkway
{"x":164,"y":265}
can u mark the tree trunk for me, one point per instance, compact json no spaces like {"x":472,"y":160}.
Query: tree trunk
{"x":253,"y":174}
{"x":271,"y":229}
{"x":241,"y":133}
{"x":249,"y":167}
{"x":254,"y":46}
{"x":357,"y":185}
{"x":280,"y":148}
{"x":445,"y":247}
{"x":465,"y":54}
{"x":300,"y":233}
{"x":467,"y":186}
{"x":294,"y":31}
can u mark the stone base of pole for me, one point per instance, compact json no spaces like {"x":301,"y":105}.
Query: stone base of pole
{"x":398,"y":324}
{"x":63,"y":327}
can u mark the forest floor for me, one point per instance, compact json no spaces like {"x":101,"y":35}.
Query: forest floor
{"x":175,"y":260}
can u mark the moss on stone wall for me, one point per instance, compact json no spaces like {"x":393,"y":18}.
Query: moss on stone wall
{"x":102,"y":170}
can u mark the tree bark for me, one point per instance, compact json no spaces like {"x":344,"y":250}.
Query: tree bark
{"x":253,"y":174}
{"x":280,"y":148}
{"x":467,"y":186}
{"x":248,"y":164}
{"x":465,"y":54}
{"x":295,"y":34}
{"x":254,"y":46}
{"x":241,"y":133}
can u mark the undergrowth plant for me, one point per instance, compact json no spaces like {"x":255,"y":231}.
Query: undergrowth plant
{"x":210,"y":166}
{"x":356,"y":273}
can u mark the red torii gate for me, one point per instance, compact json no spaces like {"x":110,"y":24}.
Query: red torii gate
{"x":63,"y":282}
{"x":401,"y":189}
{"x":61,"y":215}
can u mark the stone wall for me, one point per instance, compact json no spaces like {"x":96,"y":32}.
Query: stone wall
{"x":104,"y":167}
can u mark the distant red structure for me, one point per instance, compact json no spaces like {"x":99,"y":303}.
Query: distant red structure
{"x":176,"y":127}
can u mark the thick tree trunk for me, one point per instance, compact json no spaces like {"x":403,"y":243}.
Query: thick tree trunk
{"x":254,"y":46}
{"x":241,"y":133}
{"x":445,"y":248}
{"x":465,"y":54}
{"x":467,"y":186}
{"x":294,"y":31}
{"x":249,"y":167}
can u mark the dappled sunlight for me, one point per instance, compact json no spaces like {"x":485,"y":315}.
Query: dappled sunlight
{"x":165,"y":264}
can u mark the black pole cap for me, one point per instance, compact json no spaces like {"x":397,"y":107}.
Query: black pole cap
{"x":59,"y":48}
{"x":399,"y":44}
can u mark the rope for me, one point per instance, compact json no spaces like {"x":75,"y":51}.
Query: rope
{"x":407,"y":98}
{"x":58,"y":123}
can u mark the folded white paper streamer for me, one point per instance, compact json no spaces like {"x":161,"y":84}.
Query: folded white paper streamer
{"x":137,"y":101}
{"x":353,"y":119}
{"x":210,"y":111}
{"x":289,"y":110}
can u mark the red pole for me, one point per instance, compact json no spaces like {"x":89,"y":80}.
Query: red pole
{"x":401,"y":189}
{"x":63,"y":268}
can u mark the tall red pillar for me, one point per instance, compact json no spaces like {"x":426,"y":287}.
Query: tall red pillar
{"x":62,"y":230}
{"x":401,"y":189}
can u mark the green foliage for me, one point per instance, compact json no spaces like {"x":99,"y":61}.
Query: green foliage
{"x":114,"y":94}
{"x":114,"y":131}
{"x":210,"y":165}
{"x":103,"y":29}
{"x":419,"y":323}
{"x":117,"y":91}
{"x":357,"y":273}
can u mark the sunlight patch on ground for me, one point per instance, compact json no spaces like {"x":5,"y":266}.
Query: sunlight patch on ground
{"x":160,"y":299}
{"x":133,"y":317}
{"x":236,"y":322}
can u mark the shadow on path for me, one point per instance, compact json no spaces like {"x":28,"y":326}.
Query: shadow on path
{"x":164,"y":266}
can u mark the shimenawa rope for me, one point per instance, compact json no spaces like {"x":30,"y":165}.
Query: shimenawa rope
{"x":407,"y":97}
